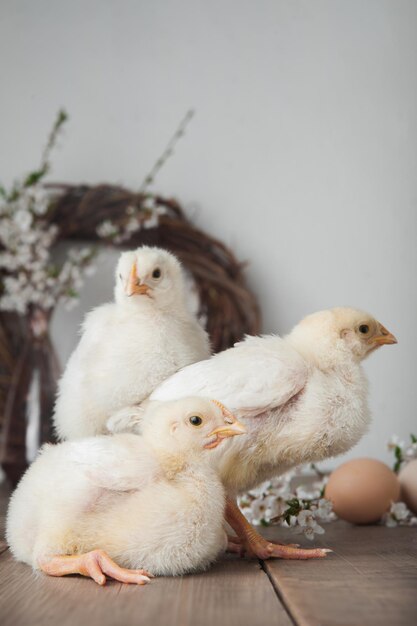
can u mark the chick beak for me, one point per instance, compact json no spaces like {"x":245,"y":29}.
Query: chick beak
{"x":384,"y":337}
{"x":223,"y":432}
{"x":133,"y":287}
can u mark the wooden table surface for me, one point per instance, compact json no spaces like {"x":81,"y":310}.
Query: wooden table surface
{"x":370,"y":579}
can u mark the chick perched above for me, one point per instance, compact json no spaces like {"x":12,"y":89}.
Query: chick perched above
{"x":152,"y":502}
{"x":302,"y":398}
{"x":128,"y":347}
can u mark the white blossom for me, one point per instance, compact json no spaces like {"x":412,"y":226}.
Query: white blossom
{"x":324,"y":510}
{"x":308,"y":524}
{"x":292,"y":522}
{"x":400,"y":511}
{"x":275,"y":507}
{"x":26,"y":238}
{"x":307,"y":493}
{"x":23,"y":219}
{"x":151,"y":222}
{"x":258,"y":509}
{"x":275,"y":501}
{"x":310,"y":531}
{"x":106,"y":229}
{"x":40,"y":199}
{"x":389,"y":520}
{"x":149,"y":202}
{"x":27,"y":274}
{"x":282,"y":483}
{"x":395,"y":442}
{"x":398,"y":514}
{"x":410,"y":453}
{"x":261,"y":490}
{"x":8,"y":261}
{"x":133,"y":225}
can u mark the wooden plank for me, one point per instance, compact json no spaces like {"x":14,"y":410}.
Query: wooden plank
{"x":370,"y":579}
{"x":234,"y":592}
{"x":4,"y":499}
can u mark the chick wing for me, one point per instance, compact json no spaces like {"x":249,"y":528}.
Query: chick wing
{"x":119,"y":463}
{"x":256,"y":375}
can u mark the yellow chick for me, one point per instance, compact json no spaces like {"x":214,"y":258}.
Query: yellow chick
{"x":302,"y":398}
{"x":129,"y":346}
{"x":127,"y":505}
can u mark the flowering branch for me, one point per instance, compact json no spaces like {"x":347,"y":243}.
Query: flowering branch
{"x":35,"y":177}
{"x":167,"y":153}
{"x":276,"y":502}
{"x":146,"y":212}
{"x":402,"y":453}
{"x":399,"y":515}
{"x":28,"y":276}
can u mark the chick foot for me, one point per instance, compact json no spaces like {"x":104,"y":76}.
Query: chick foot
{"x":238,"y":546}
{"x":96,"y":565}
{"x":257,"y":547}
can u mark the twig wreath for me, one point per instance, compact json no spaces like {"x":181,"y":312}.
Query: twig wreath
{"x":35,"y":217}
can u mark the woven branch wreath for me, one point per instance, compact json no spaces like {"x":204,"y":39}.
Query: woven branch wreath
{"x":113,"y":216}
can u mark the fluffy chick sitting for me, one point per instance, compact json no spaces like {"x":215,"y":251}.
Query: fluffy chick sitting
{"x":128,"y":347}
{"x":127,"y":505}
{"x":302,"y":398}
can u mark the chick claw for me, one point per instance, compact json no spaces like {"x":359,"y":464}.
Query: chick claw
{"x":96,"y":565}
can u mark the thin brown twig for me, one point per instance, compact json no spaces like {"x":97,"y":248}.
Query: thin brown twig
{"x":167,"y":153}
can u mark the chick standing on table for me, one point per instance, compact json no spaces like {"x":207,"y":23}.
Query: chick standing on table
{"x":154,"y":502}
{"x":128,"y":347}
{"x":302,"y":398}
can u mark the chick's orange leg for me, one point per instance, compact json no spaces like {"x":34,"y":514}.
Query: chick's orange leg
{"x":256,"y":546}
{"x":96,"y":565}
{"x":237,"y":545}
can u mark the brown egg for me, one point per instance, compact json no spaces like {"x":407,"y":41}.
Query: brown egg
{"x":408,"y":483}
{"x":362,"y":490}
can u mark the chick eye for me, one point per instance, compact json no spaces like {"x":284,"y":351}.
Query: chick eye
{"x":364,"y":329}
{"x":196,"y":420}
{"x":156,"y":273}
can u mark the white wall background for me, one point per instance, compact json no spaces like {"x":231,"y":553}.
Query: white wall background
{"x":302,"y":156}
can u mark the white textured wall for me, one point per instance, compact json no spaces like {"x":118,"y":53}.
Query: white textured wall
{"x":302,"y":157}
